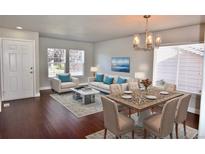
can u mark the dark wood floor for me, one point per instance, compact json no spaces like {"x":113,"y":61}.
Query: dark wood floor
{"x":44,"y":118}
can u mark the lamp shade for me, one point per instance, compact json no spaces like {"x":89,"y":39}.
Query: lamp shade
{"x":93,"y":69}
{"x":140,"y":75}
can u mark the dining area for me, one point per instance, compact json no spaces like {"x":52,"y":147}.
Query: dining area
{"x":159,"y":111}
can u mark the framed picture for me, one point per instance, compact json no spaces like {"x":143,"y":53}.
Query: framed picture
{"x":120,"y":64}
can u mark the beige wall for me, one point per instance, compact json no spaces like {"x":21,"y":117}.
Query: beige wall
{"x":143,"y":60}
{"x":65,"y":44}
{"x":20,"y":34}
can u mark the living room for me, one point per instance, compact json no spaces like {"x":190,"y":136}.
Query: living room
{"x":101,"y":76}
{"x":53,"y":56}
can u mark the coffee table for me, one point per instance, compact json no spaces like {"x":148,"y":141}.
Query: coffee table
{"x":87,"y":94}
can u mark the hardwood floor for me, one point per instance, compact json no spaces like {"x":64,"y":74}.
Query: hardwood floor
{"x":44,"y":118}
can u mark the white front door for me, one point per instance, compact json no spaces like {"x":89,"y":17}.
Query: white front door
{"x":17,"y":69}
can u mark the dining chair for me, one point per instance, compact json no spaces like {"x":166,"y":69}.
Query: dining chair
{"x":114,"y":121}
{"x":169,"y":87}
{"x":133,"y":86}
{"x":115,"y":89}
{"x":161,"y":125}
{"x":181,"y":112}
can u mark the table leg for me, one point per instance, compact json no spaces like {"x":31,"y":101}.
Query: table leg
{"x":142,"y":116}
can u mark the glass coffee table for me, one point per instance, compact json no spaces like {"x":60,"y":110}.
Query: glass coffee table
{"x":86,"y":94}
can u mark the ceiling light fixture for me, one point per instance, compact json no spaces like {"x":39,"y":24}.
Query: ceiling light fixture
{"x":19,"y":27}
{"x":148,"y":42}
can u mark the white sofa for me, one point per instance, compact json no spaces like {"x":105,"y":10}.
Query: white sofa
{"x":105,"y":87}
{"x":61,"y":87}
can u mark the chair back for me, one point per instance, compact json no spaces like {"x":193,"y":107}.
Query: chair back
{"x":170,"y":87}
{"x":110,"y":114}
{"x":115,"y":89}
{"x":182,"y":108}
{"x":168,"y":116}
{"x":133,"y":86}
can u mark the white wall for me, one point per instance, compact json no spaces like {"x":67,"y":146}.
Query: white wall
{"x":140,"y":60}
{"x":143,"y":60}
{"x":20,"y":34}
{"x":65,"y":44}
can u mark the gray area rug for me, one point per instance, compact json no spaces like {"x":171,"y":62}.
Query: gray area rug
{"x":139,"y":133}
{"x":76,"y":106}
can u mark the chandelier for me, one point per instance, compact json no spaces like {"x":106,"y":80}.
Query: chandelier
{"x":150,"y":42}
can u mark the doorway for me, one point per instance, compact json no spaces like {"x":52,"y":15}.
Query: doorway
{"x":17,"y":70}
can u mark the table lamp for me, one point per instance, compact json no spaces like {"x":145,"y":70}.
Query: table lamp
{"x":93,"y":70}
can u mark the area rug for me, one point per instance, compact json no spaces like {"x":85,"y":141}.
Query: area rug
{"x":139,"y":133}
{"x":77,"y":107}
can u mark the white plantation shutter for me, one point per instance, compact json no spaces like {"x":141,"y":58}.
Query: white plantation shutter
{"x":190,"y":72}
{"x":174,"y":64}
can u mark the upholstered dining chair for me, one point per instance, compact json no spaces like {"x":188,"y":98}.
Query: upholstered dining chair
{"x":169,"y":87}
{"x":161,"y":125}
{"x":114,"y":121}
{"x":133,"y":86}
{"x":115,"y":89}
{"x":181,"y":112}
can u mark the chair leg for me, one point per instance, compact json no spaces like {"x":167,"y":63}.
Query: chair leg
{"x":171,"y":137}
{"x":133,"y":134}
{"x":129,"y":112}
{"x":184,"y":128}
{"x":105,"y":133}
{"x":152,"y":110}
{"x":176,"y":128}
{"x":145,"y":133}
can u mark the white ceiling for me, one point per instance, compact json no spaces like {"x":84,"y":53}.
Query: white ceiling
{"x":95,"y":28}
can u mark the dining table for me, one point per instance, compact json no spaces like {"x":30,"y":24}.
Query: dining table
{"x":142,"y":101}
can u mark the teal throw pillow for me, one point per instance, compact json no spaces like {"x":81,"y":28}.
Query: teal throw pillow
{"x":108,"y":80}
{"x":64,"y":77}
{"x":99,"y":77}
{"x":121,"y":80}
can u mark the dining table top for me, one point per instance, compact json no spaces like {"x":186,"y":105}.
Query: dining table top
{"x":139,"y":100}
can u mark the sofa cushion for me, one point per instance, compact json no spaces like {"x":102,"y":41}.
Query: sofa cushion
{"x":65,"y":85}
{"x":108,"y":80}
{"x":104,"y":86}
{"x":99,"y":77}
{"x":64,"y":77}
{"x":100,"y":85}
{"x":96,"y":84}
{"x":121,"y":80}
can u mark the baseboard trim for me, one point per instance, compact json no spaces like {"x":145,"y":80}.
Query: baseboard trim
{"x":193,"y":110}
{"x":0,"y":105}
{"x":45,"y":88}
{"x":37,"y":94}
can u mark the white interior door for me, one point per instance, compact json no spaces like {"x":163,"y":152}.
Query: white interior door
{"x":17,"y":69}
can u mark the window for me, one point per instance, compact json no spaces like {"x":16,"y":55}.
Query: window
{"x":76,"y":62}
{"x":56,"y":61}
{"x":180,"y":65}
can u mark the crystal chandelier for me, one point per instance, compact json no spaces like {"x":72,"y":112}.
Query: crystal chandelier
{"x":149,"y":44}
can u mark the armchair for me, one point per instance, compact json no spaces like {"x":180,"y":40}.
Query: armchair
{"x":61,"y":87}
